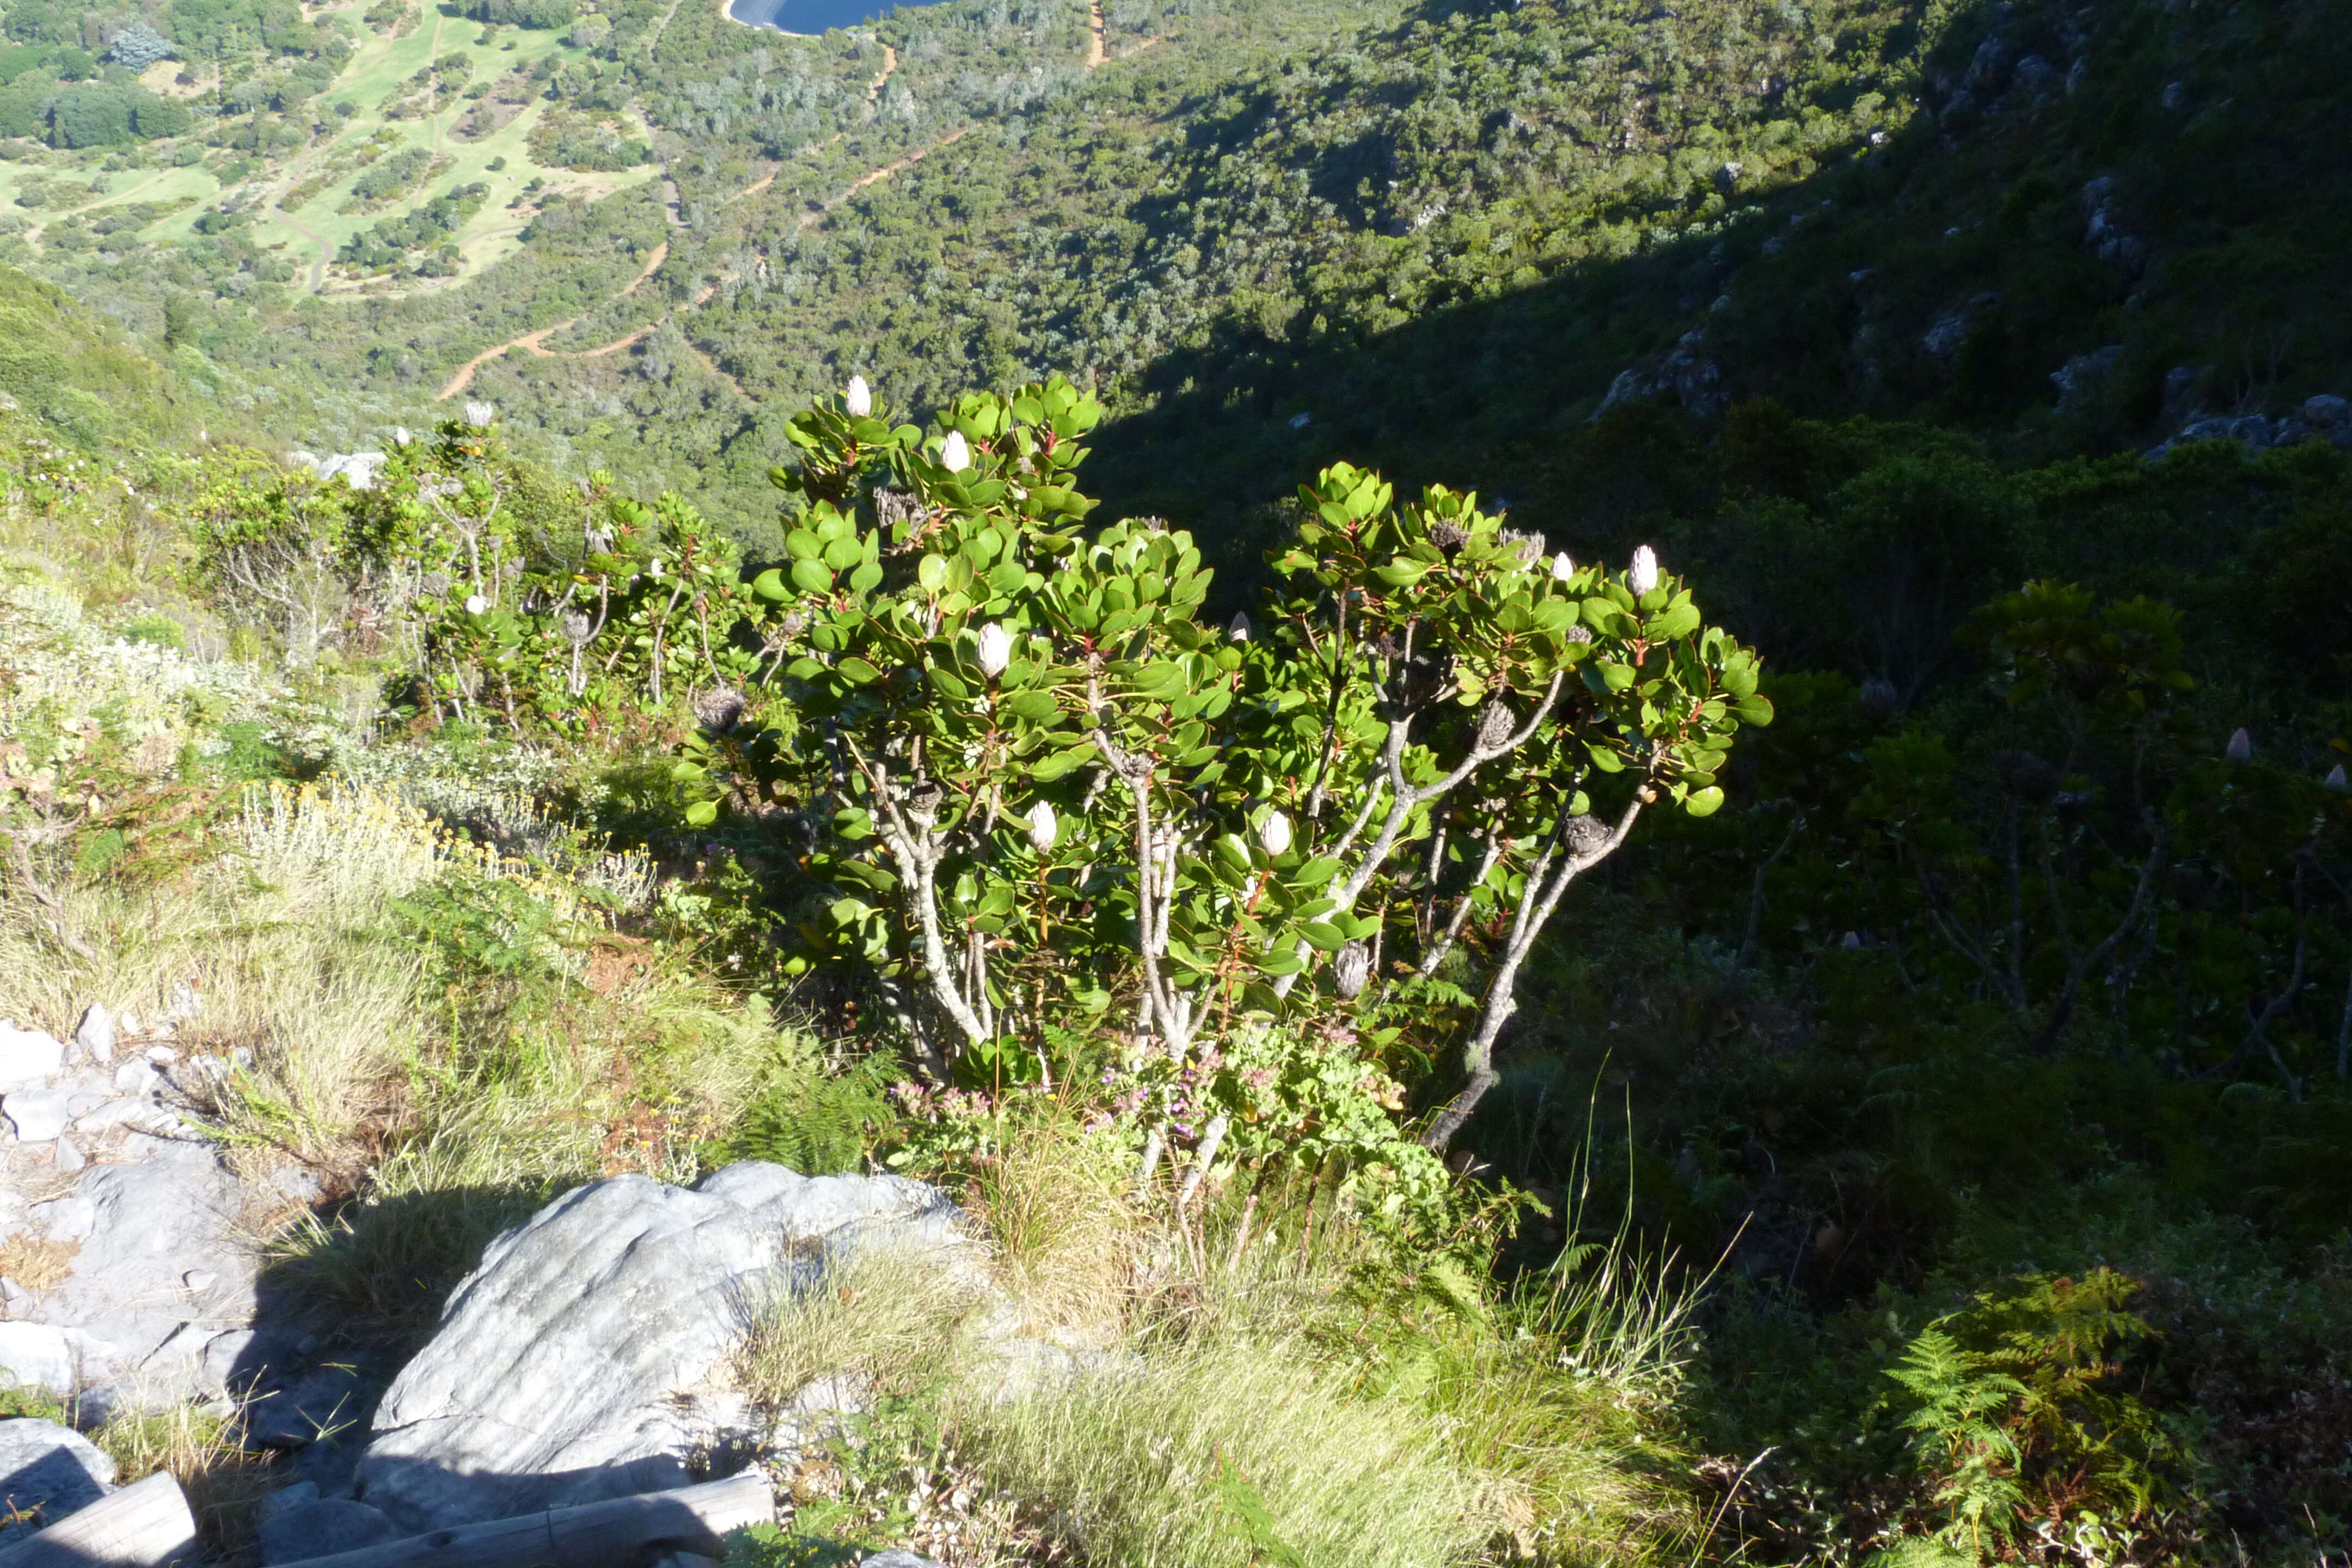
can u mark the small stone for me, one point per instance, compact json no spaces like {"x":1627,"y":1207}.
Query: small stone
{"x":898,"y":1557}
{"x":114,"y":1114}
{"x":323,"y":1527}
{"x":233,"y":1359}
{"x":35,"y":1115}
{"x":27,"y":1057}
{"x":37,"y":1355}
{"x":13,"y":1295}
{"x":199,"y":1280}
{"x":68,"y":1158}
{"x":126,"y":1026}
{"x":96,"y":1034}
{"x":298,"y":1183}
{"x":161,"y":1056}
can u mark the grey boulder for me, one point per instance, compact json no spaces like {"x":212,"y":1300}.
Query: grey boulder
{"x":588,"y":1355}
{"x":320,"y":1527}
{"x":49,"y":1468}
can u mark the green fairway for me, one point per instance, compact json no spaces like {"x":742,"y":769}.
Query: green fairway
{"x":316,"y":228}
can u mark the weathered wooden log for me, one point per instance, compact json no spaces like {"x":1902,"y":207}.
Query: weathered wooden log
{"x":146,"y":1525}
{"x":625,"y":1532}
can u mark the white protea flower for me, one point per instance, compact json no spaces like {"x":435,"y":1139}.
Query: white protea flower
{"x":860,"y":399}
{"x":475,"y":604}
{"x":1238,"y":629}
{"x":995,"y":649}
{"x":400,"y":436}
{"x":1045,"y":827}
{"x":2241,"y":748}
{"x":479,"y":415}
{"x":1273,"y":833}
{"x":1643,"y":575}
{"x":2336,"y":783}
{"x":955,"y":456}
{"x":654,"y":569}
{"x":1562,"y":568}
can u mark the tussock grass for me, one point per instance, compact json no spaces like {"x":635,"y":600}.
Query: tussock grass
{"x":1132,"y":1458}
{"x":894,"y":1316}
{"x":205,"y":1454}
{"x":1260,"y":1390}
{"x":1054,"y":1203}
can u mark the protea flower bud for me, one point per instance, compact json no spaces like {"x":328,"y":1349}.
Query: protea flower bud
{"x":654,"y":569}
{"x":1643,"y":575}
{"x":860,"y":399}
{"x":1043,"y":826}
{"x":1350,"y":969}
{"x":1238,"y":629}
{"x":1853,"y":942}
{"x":2241,"y":746}
{"x":1879,"y":700}
{"x":1562,"y":568}
{"x":995,"y":649}
{"x":1273,"y":833}
{"x":475,"y":604}
{"x":1494,"y":725}
{"x":479,"y":415}
{"x":955,"y":455}
{"x":400,"y":436}
{"x":2336,"y":783}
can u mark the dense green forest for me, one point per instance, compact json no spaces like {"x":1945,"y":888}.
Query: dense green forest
{"x":1922,"y":1135}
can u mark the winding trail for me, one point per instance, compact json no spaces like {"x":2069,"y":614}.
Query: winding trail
{"x":464,"y":377}
{"x":33,"y":235}
{"x":884,"y":172}
{"x":653,"y":40}
{"x":534,"y":342}
{"x":326,"y":251}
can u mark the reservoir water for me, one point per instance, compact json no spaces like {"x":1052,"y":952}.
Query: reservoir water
{"x":808,"y":16}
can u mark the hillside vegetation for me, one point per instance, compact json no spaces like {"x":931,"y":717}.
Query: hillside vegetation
{"x":1765,"y":978}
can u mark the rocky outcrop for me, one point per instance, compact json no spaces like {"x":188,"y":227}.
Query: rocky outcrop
{"x":589,"y":1355}
{"x":1685,"y":375}
{"x":2326,"y":417}
{"x":133,"y":1282}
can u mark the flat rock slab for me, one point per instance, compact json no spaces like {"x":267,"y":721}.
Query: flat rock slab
{"x":588,"y":1357}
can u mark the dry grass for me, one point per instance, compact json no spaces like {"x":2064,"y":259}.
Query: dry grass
{"x":1054,"y":1203}
{"x":895,"y":1318}
{"x":1143,"y":1463}
{"x":38,"y":1264}
{"x":222,"y":1481}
